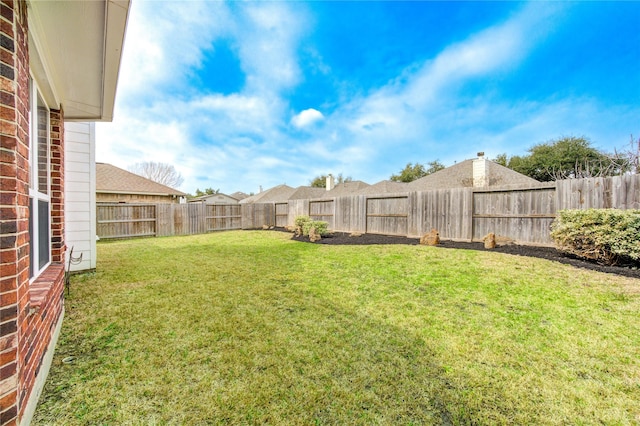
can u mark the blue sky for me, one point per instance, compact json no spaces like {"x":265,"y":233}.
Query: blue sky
{"x":240,"y":95}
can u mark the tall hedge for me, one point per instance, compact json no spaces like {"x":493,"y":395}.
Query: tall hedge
{"x":607,"y":236}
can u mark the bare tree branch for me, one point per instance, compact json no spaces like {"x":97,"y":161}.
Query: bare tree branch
{"x":631,"y":156}
{"x":611,"y":165}
{"x":162,"y":173}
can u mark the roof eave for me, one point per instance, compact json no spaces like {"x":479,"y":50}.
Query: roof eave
{"x":75,"y":55}
{"x":117,"y":15}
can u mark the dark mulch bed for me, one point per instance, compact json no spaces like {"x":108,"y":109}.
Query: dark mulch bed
{"x":339,"y":238}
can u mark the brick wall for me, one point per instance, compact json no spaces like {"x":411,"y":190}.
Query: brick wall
{"x":29,"y":313}
{"x":57,"y":186}
{"x":14,"y":225}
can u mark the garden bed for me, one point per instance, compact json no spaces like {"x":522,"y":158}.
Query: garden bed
{"x":549,"y":253}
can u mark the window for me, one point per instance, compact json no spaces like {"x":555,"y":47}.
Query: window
{"x":39,"y":184}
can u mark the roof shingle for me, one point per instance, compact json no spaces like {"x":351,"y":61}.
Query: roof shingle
{"x":112,"y":179}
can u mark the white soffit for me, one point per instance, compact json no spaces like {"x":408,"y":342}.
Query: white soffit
{"x":75,"y":49}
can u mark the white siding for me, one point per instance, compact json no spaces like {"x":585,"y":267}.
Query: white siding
{"x":80,"y":193}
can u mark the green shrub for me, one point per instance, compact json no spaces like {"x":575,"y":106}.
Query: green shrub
{"x":305,"y":223}
{"x":300,"y":221}
{"x":321,"y":227}
{"x":604,"y":235}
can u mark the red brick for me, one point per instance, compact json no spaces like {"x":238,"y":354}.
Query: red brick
{"x":9,"y":298}
{"x":8,"y":342}
{"x":8,"y":198}
{"x":6,"y":98}
{"x":8,"y":213}
{"x":7,"y":142}
{"x":6,"y":12}
{"x":7,"y":85}
{"x":7,"y":113}
{"x":6,"y":28}
{"x":7,"y":284}
{"x":8,"y":400}
{"x":8,"y":371}
{"x":9,"y":416}
{"x":8,"y":184}
{"x":8,"y":256}
{"x":8,"y":128}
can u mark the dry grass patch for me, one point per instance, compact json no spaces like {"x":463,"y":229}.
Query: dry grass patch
{"x":250,"y":327}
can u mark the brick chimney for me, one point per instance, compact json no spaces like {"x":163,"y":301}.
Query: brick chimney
{"x":480,"y":171}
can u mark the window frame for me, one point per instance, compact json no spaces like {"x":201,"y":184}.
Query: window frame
{"x":36,"y":194}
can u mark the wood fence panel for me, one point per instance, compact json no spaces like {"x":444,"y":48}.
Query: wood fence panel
{"x":197,"y":218}
{"x":126,"y":220}
{"x":626,"y":192}
{"x":462,"y":223}
{"x":350,"y":213}
{"x":247,"y":216}
{"x":618,"y":192}
{"x":341,"y":218}
{"x":415,"y":215}
{"x":388,"y":216}
{"x":180,"y":220}
{"x":255,"y":216}
{"x":282,"y":214}
{"x":164,"y":220}
{"x":223,"y":217}
{"x":269,"y":214}
{"x":235,"y":217}
{"x":297,"y":208}
{"x":521,"y":215}
{"x":323,"y":210}
{"x":583,"y":193}
{"x":568,"y":195}
{"x":446,"y":210}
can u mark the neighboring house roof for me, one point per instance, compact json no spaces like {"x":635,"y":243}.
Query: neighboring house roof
{"x":347,"y":188}
{"x":384,"y":187}
{"x":461,"y":175}
{"x":114,"y":180}
{"x":238,"y":195}
{"x":208,"y":197}
{"x":307,"y":193}
{"x":275,"y":194}
{"x":75,"y":52}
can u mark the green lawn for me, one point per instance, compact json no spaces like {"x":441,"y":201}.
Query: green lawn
{"x":250,"y":327}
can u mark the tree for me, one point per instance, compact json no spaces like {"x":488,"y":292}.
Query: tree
{"x":162,"y":173}
{"x":502,"y":159}
{"x":630,"y":157}
{"x":208,"y":191}
{"x":564,"y":158}
{"x":321,"y":181}
{"x":412,"y":172}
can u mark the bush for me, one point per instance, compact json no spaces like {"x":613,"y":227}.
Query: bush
{"x":305,"y":223}
{"x":300,"y":221}
{"x":321,"y":227}
{"x":605,"y":235}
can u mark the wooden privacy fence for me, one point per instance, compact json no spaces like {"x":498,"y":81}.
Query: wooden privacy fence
{"x":143,"y":220}
{"x":522,"y":214}
{"x":126,"y":220}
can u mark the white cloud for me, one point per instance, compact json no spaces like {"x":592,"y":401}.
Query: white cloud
{"x":241,"y":140}
{"x":207,"y":137}
{"x":164,"y":41}
{"x":268,"y":35}
{"x":405,"y":117}
{"x":307,"y":118}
